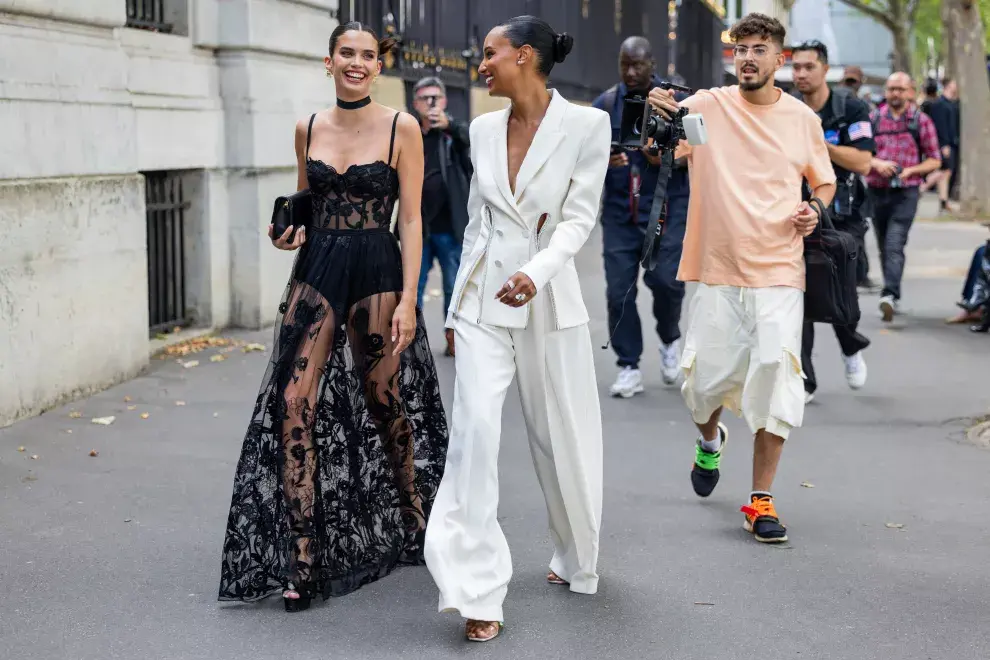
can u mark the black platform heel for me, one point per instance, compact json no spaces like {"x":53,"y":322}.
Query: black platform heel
{"x":300,"y":604}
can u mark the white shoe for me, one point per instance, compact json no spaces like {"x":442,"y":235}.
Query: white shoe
{"x":670,"y":357}
{"x":809,"y":397}
{"x":628,"y":383}
{"x":888,"y":307}
{"x":855,"y":370}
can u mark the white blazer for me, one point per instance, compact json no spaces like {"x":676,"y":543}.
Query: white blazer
{"x":562,"y":176}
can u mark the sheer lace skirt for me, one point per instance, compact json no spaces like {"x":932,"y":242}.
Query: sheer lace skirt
{"x":347,"y":442}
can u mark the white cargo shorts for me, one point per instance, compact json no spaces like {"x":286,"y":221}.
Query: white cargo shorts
{"x":741,"y":351}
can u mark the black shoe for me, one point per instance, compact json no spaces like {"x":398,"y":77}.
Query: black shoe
{"x":300,"y":604}
{"x":704,"y":474}
{"x":762,"y":520}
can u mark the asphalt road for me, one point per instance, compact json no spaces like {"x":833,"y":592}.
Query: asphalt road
{"x":117,"y":556}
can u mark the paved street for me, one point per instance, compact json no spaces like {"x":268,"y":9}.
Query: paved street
{"x":117,"y":556}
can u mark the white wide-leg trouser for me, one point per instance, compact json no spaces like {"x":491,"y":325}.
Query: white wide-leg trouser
{"x":466,"y":551}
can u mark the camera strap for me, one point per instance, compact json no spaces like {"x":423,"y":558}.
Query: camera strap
{"x":658,"y":213}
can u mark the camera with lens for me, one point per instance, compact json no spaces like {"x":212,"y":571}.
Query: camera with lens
{"x":640,"y":123}
{"x":643,"y":127}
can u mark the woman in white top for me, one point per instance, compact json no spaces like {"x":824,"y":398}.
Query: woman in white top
{"x":517,"y":310}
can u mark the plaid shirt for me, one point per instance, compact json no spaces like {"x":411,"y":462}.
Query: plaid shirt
{"x":899,"y":146}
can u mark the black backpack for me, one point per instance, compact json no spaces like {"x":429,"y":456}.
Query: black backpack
{"x":913,"y":127}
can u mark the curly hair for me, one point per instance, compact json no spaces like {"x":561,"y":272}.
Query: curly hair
{"x":758,"y":25}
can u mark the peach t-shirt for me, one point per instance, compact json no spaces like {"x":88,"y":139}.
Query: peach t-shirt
{"x":745,"y":184}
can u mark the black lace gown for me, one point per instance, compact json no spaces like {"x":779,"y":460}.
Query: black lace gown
{"x":347,"y":444}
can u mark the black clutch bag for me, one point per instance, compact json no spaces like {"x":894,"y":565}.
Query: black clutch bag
{"x":830,"y":257}
{"x":295,"y":210}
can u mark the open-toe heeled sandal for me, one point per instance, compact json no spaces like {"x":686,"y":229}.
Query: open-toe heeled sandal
{"x":553,"y":578}
{"x":298,"y":603}
{"x":482,"y":631}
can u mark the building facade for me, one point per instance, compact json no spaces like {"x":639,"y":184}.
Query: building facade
{"x":852,"y":37}
{"x":142,"y":143}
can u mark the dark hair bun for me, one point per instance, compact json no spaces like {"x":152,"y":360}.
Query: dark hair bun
{"x":387,"y":45}
{"x":562,"y":45}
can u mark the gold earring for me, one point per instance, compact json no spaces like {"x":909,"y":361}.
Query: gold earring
{"x":329,"y":73}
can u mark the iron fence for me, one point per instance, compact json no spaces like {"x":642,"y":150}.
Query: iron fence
{"x":444,"y":38}
{"x":166,"y":216}
{"x":147,"y":15}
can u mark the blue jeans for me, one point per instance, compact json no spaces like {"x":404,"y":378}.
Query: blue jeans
{"x":623,"y":245}
{"x":445,"y":249}
{"x":974,"y":272}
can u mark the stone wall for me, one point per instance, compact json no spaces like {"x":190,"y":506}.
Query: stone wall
{"x":86,"y":106}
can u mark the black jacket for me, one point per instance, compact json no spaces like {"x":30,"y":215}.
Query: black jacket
{"x":455,"y":165}
{"x":945,"y":116}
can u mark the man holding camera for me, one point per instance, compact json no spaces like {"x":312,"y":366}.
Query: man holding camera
{"x":744,"y":246}
{"x":849,"y":139}
{"x":628,"y":198}
{"x":446,"y":182}
{"x":907,"y":150}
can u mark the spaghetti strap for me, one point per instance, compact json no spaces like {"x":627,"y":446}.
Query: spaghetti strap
{"x":391,"y":144}
{"x":309,"y":133}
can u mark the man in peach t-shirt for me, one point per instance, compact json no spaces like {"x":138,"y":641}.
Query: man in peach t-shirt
{"x":744,"y":245}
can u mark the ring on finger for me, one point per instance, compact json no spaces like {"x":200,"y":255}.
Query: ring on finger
{"x":520,"y":297}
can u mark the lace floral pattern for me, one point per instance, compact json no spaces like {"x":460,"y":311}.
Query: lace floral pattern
{"x":347,"y":443}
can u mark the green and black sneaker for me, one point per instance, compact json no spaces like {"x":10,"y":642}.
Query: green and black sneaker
{"x":704,"y":474}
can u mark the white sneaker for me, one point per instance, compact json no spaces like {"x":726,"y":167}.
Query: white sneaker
{"x":855,"y":370}
{"x":888,"y":307}
{"x":809,"y":397}
{"x":670,"y":357}
{"x":628,"y":383}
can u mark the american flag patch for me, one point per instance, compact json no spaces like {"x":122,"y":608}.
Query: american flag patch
{"x":861,"y":130}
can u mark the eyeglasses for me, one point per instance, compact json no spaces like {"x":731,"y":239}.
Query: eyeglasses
{"x":759,"y":50}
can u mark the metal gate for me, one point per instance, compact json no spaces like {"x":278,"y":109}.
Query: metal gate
{"x":166,"y":215}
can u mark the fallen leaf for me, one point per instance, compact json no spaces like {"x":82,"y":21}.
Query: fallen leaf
{"x":894,"y":525}
{"x":805,"y":484}
{"x":132,"y":407}
{"x":180,"y":403}
{"x":127,"y":519}
{"x":145,"y":415}
{"x":254,"y":347}
{"x":94,"y":453}
{"x":161,"y":336}
{"x":190,"y":364}
{"x":218,"y":358}
{"x":177,"y":329}
{"x":21,"y":449}
{"x":28,"y":479}
{"x":35,"y":457}
{"x":127,"y":399}
{"x":104,"y":421}
{"x":68,"y":430}
{"x":75,"y":415}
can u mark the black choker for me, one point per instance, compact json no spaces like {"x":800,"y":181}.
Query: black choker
{"x":353,"y":105}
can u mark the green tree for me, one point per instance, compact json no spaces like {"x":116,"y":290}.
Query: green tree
{"x":898,"y":16}
{"x":930,"y":24}
{"x":968,"y":39}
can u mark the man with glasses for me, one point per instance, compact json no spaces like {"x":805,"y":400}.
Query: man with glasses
{"x":849,"y":140}
{"x":744,"y":245}
{"x":446,"y":181}
{"x":628,"y":198}
{"x":907,"y":150}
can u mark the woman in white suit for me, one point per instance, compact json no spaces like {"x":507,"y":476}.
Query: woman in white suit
{"x":517,"y":310}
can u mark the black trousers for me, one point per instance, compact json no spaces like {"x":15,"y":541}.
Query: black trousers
{"x":850,"y":341}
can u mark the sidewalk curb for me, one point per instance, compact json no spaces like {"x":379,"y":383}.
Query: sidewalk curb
{"x":158,"y":346}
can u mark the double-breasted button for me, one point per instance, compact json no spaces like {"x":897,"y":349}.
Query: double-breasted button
{"x":498,"y":232}
{"x":498,"y":264}
{"x":525,"y":234}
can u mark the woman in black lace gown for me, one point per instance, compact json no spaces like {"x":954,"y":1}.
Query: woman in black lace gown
{"x":348,"y":438}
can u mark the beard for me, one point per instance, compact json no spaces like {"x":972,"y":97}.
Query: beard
{"x":753,"y":86}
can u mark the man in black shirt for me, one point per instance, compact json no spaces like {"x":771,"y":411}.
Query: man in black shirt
{"x":849,"y":136}
{"x":944,"y":112}
{"x":446,"y":181}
